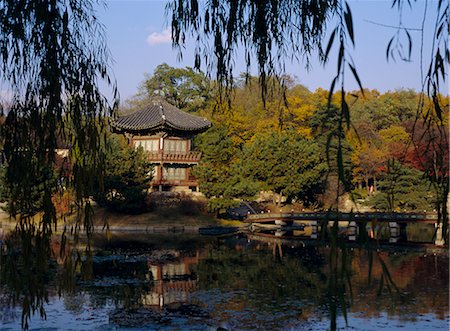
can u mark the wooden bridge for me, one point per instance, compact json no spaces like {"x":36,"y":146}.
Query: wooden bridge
{"x":397,"y":222}
{"x":331,"y":216}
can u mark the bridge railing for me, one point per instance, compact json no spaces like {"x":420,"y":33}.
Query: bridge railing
{"x":375,"y":216}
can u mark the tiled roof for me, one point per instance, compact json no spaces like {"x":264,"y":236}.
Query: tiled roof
{"x":160,"y":115}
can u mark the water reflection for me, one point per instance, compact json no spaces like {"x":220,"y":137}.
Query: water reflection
{"x":26,"y":270}
{"x":247,"y":281}
{"x":172,"y":278}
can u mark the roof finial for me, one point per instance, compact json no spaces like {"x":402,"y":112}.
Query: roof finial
{"x":161,"y":111}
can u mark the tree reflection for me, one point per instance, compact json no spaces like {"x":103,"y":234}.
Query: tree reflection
{"x":29,"y":261}
{"x":26,"y":269}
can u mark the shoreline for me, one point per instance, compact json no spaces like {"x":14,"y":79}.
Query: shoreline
{"x":151,"y":222}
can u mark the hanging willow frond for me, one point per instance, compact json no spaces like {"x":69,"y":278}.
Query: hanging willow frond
{"x":53,"y":56}
{"x":269,"y":32}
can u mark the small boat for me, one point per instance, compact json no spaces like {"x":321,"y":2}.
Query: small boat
{"x":217,"y":230}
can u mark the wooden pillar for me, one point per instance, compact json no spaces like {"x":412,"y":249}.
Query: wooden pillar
{"x":159,"y":170}
{"x":187,"y":174}
{"x":161,"y":144}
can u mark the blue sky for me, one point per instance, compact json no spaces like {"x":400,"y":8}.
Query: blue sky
{"x":139,"y":41}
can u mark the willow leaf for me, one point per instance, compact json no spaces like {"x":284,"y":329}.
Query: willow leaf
{"x":355,"y":74}
{"x":349,"y":22}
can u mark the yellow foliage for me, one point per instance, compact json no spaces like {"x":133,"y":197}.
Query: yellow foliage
{"x":394,"y":133}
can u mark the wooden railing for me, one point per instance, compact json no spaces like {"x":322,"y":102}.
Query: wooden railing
{"x":188,"y":157}
{"x":369,"y":216}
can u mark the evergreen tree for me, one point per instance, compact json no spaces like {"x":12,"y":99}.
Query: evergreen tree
{"x":403,"y":188}
{"x":285,"y":163}
{"x":127,"y":178}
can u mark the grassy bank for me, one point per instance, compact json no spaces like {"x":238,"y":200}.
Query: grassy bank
{"x":168,"y":218}
{"x":158,"y":218}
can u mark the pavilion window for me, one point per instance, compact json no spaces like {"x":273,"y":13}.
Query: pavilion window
{"x":175,"y":146}
{"x":150,"y":145}
{"x":170,"y":173}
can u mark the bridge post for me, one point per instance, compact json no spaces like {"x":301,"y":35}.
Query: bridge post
{"x":397,"y":232}
{"x":394,"y":232}
{"x":439,"y":237}
{"x":352,"y":230}
{"x":314,"y":229}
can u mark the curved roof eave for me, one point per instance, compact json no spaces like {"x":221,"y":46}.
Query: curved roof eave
{"x":160,"y":116}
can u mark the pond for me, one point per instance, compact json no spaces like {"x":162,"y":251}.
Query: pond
{"x":190,"y":282}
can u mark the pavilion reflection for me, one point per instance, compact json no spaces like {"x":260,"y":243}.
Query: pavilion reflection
{"x":173,"y":280}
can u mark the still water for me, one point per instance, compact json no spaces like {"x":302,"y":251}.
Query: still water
{"x":193,"y":282}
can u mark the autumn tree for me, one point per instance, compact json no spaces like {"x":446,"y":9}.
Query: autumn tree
{"x":247,"y":114}
{"x":300,"y":110}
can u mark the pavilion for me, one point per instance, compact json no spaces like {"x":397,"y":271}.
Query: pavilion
{"x":165,"y":133}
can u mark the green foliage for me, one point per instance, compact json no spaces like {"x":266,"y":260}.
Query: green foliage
{"x":359,"y":193}
{"x":27,"y":200}
{"x":286,"y":164}
{"x":127,"y":178}
{"x":241,"y":186}
{"x":218,"y":205}
{"x":183,"y":87}
{"x":403,"y":188}
{"x":332,"y":142}
{"x":380,"y":111}
{"x":218,"y":153}
{"x":394,"y":134}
